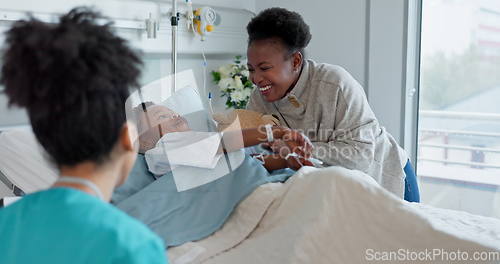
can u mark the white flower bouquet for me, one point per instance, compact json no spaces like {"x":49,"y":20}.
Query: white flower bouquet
{"x":234,"y":83}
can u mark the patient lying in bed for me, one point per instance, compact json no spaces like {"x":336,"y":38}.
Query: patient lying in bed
{"x":193,"y":214}
{"x":156,"y":121}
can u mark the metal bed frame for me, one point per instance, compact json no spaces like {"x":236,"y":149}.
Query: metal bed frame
{"x":14,"y":188}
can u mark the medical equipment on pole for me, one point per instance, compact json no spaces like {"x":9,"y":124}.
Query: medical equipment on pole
{"x":204,"y":21}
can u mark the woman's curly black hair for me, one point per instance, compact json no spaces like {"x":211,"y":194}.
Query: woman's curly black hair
{"x":73,"y":78}
{"x":288,"y":26}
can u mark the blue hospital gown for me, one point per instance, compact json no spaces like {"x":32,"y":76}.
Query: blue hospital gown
{"x":64,"y":225}
{"x":180,"y":217}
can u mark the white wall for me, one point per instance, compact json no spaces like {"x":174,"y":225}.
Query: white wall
{"x":368,"y":38}
{"x":387,"y":63}
{"x":338,"y":29}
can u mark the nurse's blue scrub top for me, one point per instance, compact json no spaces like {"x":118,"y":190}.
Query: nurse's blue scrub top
{"x":64,"y":225}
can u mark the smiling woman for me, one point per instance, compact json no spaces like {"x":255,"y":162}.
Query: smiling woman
{"x":275,"y":60}
{"x":323,"y":101}
{"x":273,"y":75}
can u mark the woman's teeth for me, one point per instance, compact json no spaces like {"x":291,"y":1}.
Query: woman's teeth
{"x":265,"y":88}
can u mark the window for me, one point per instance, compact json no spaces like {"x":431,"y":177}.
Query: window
{"x":459,"y":105}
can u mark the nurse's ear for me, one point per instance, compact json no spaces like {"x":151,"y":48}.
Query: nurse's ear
{"x":297,"y":61}
{"x":129,"y":137}
{"x":128,"y":145}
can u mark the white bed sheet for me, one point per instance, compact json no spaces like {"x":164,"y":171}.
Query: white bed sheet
{"x":335,"y":215}
{"x":22,"y":161}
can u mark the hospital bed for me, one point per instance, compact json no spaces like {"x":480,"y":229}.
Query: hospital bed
{"x":10,"y":187}
{"x":23,"y":167}
{"x":331,"y":215}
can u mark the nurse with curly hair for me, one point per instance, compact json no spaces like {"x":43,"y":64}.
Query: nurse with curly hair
{"x":73,"y":78}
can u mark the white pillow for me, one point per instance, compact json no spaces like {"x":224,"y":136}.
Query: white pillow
{"x":22,"y":161}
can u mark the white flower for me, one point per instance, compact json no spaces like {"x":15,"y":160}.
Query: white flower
{"x":237,"y":83}
{"x":237,"y":96}
{"x":231,"y":83}
{"x":235,"y":69}
{"x":226,"y":71}
{"x":247,"y":92}
{"x":241,"y":95}
{"x":245,"y":73}
{"x":226,"y":83}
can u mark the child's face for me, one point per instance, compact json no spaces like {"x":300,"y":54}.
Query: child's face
{"x":162,"y":120}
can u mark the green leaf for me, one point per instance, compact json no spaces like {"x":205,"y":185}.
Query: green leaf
{"x":241,"y":105}
{"x":248,"y":83}
{"x":237,"y":59}
{"x":216,"y":76}
{"x":229,"y":103}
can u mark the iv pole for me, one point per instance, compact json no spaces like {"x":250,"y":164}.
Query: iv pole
{"x":174,"y":21}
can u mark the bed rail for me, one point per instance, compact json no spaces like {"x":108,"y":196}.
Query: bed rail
{"x":14,"y":188}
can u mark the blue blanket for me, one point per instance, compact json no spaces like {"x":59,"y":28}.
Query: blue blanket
{"x":179,"y":217}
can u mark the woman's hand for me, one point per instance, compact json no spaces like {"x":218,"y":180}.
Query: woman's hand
{"x":295,"y":162}
{"x":275,"y":146}
{"x":294,"y":140}
{"x":293,"y":147}
{"x":282,"y":160}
